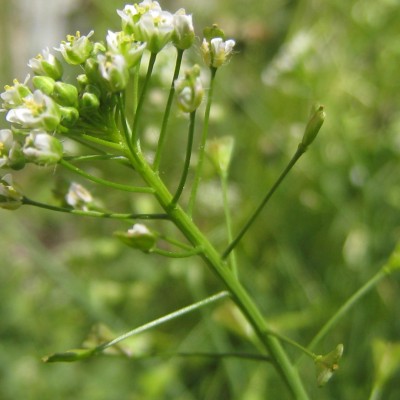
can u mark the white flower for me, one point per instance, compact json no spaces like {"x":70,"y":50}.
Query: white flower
{"x":77,"y":49}
{"x":10,"y":151}
{"x":37,"y":111}
{"x":13,"y":95}
{"x":189,"y":90}
{"x":78,"y":197}
{"x":46,"y":64}
{"x":183,"y":36}
{"x":114,"y":70}
{"x":10,"y":198}
{"x":42,"y":149}
{"x":155,"y":28}
{"x":217,"y":52}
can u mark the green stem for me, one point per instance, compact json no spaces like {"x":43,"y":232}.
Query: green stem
{"x":164,"y":319}
{"x":228,"y":221}
{"x":212,"y":258}
{"x":199,"y":168}
{"x":347,"y":305}
{"x":135,"y":138}
{"x":300,"y":151}
{"x":163,"y":132}
{"x":97,"y":214}
{"x":185,"y":169}
{"x":101,"y":142}
{"x":119,"y":186}
{"x":97,"y":157}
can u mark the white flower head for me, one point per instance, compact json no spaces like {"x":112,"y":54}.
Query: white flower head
{"x":13,"y":95}
{"x":46,"y":64}
{"x":183,"y":36}
{"x":78,"y":197}
{"x":217,"y":52}
{"x":37,"y":111}
{"x":114,"y":71}
{"x":42,"y":149}
{"x":155,"y":28}
{"x":77,"y":49}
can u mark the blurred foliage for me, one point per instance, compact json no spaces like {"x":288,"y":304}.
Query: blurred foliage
{"x":327,"y":230}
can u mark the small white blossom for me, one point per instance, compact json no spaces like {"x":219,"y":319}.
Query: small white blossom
{"x":10,"y":198}
{"x":13,"y":95}
{"x":78,"y":197}
{"x":46,"y":64}
{"x":77,"y":49}
{"x":217,"y":52}
{"x":37,"y":111}
{"x":114,"y":70}
{"x":42,"y":149}
{"x":183,"y":36}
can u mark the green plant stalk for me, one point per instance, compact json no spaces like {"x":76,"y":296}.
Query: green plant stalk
{"x":119,"y":186}
{"x":186,"y":165}
{"x":96,"y":214}
{"x":384,"y":271}
{"x":135,"y":139}
{"x":228,"y":222}
{"x":299,"y":152}
{"x":163,"y":132}
{"x":172,"y":254}
{"x":201,"y":154}
{"x":239,"y":295}
{"x":164,"y":319}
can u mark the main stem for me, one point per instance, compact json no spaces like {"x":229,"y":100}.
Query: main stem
{"x":240,"y":296}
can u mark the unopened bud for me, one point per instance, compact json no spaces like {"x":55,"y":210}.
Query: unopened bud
{"x":69,"y":116}
{"x":183,"y":36}
{"x":44,"y":83}
{"x":313,"y":126}
{"x":65,"y":94}
{"x":189,"y":90}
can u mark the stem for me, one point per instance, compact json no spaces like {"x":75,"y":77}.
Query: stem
{"x":253,"y":217}
{"x":228,"y":221}
{"x":347,"y":305}
{"x":163,"y":132}
{"x":135,"y":139}
{"x":105,"y":143}
{"x":239,"y":295}
{"x":187,"y":160}
{"x":119,"y":186}
{"x":164,"y":319}
{"x":97,"y":214}
{"x":204,"y":136}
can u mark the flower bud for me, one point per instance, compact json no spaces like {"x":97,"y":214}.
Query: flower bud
{"x":78,"y":197}
{"x":65,"y":94}
{"x":183,"y":36}
{"x":46,"y":65}
{"x":114,"y":71}
{"x":10,"y":198}
{"x":220,"y":152}
{"x":216,"y":52}
{"x":42,"y":149}
{"x":10,"y":151}
{"x":13,"y":95}
{"x":70,"y":355}
{"x":77,"y":49}
{"x":69,"y":116}
{"x":138,"y":237}
{"x":37,"y":111}
{"x":44,"y":83}
{"x":189,"y":90}
{"x":82,"y":80}
{"x":89,"y":101}
{"x":313,"y":126}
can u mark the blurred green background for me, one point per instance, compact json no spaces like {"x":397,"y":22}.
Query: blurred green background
{"x":328,"y":229}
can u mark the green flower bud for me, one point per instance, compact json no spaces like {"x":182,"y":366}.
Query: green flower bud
{"x":114,"y":71}
{"x":77,"y":49}
{"x":313,"y":126}
{"x":10,"y":151}
{"x":220,"y":152}
{"x":69,"y":116}
{"x":327,"y":365}
{"x":10,"y":198}
{"x":78,"y":197}
{"x":82,"y":80}
{"x":42,"y":149}
{"x":65,"y":94}
{"x":44,"y":83}
{"x":38,"y":111}
{"x":46,"y":65}
{"x":216,"y":52}
{"x":139,"y":237}
{"x":89,"y":101}
{"x":189,"y":90}
{"x":14,"y":95}
{"x":183,"y":36}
